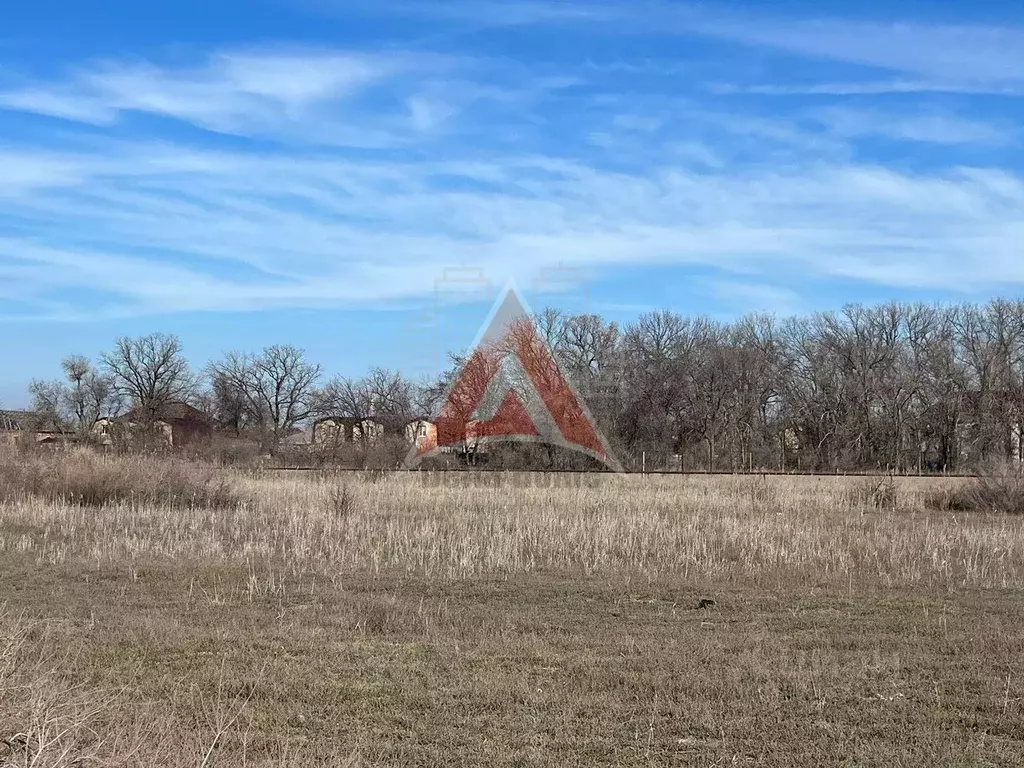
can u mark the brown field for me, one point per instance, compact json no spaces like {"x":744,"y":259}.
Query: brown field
{"x":158,"y":613}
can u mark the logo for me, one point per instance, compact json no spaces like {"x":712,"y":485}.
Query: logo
{"x":511,"y":389}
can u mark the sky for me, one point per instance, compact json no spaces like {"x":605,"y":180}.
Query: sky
{"x":361,"y":179}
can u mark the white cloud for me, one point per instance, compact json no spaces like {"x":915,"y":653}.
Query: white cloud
{"x":243,"y":92}
{"x":969,"y":55}
{"x":22,"y":173}
{"x":926,"y":126}
{"x":738,"y":295}
{"x":464,"y":171}
{"x":927,"y":56}
{"x":203,"y":230}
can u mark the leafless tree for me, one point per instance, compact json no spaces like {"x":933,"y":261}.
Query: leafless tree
{"x":391,"y":395}
{"x":83,"y":397}
{"x":278,"y":387}
{"x":346,"y":397}
{"x":49,"y":399}
{"x":150,"y":372}
{"x":225,"y":401}
{"x":890,"y":387}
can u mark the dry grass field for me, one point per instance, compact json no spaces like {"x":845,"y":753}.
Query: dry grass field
{"x":165,"y":614}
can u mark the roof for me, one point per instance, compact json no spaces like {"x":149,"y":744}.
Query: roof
{"x":170,"y":412}
{"x":349,"y":420}
{"x":14,"y":421}
{"x":32,"y":421}
{"x":297,"y":436}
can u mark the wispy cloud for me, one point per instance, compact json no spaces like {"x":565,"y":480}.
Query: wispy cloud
{"x":868,"y":88}
{"x":236,"y":92}
{"x":737,"y":295}
{"x":927,"y":126}
{"x":483,"y":13}
{"x":217,"y":231}
{"x":383,"y":168}
{"x":978,"y":56}
{"x":921,"y":55}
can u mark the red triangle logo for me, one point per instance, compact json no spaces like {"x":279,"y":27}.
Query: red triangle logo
{"x":511,"y":389}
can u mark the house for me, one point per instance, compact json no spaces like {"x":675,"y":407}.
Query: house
{"x":343,"y":429}
{"x":16,"y":425}
{"x":178,"y":424}
{"x":333,"y":430}
{"x":369,"y":430}
{"x":422,"y":434}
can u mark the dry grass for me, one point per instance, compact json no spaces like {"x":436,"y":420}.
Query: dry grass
{"x":796,"y":531}
{"x":87,"y":479}
{"x":499,"y":619}
{"x":999,"y":489}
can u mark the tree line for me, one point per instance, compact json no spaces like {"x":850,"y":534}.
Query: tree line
{"x":896,"y":386}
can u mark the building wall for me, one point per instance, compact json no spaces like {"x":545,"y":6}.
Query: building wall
{"x":422,"y":434}
{"x":342,"y":431}
{"x":180,"y":433}
{"x":331,"y":431}
{"x":368,"y":430}
{"x":175,"y":433}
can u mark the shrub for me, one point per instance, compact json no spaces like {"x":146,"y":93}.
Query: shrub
{"x":879,"y":494}
{"x":999,"y":488}
{"x":763,"y":494}
{"x":341,"y":502}
{"x":88,"y":479}
{"x":227,"y":452}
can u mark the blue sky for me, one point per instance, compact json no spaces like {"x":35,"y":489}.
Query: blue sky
{"x":320,"y":172}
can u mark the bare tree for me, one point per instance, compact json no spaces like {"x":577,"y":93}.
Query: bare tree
{"x":49,"y":400}
{"x":228,"y":404}
{"x":427,"y":396}
{"x":458,"y":392}
{"x":589,"y":351}
{"x":151,"y":372}
{"x":84,"y":397}
{"x":278,"y":387}
{"x":347,"y":397}
{"x":896,"y":386}
{"x":391,"y":395}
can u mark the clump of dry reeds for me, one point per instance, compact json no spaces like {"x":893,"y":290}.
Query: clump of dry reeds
{"x":86,"y":478}
{"x":879,"y":493}
{"x":998,"y":488}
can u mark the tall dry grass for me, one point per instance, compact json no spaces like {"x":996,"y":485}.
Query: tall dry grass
{"x":116,"y":520}
{"x":89,"y":479}
{"x":771,"y":530}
